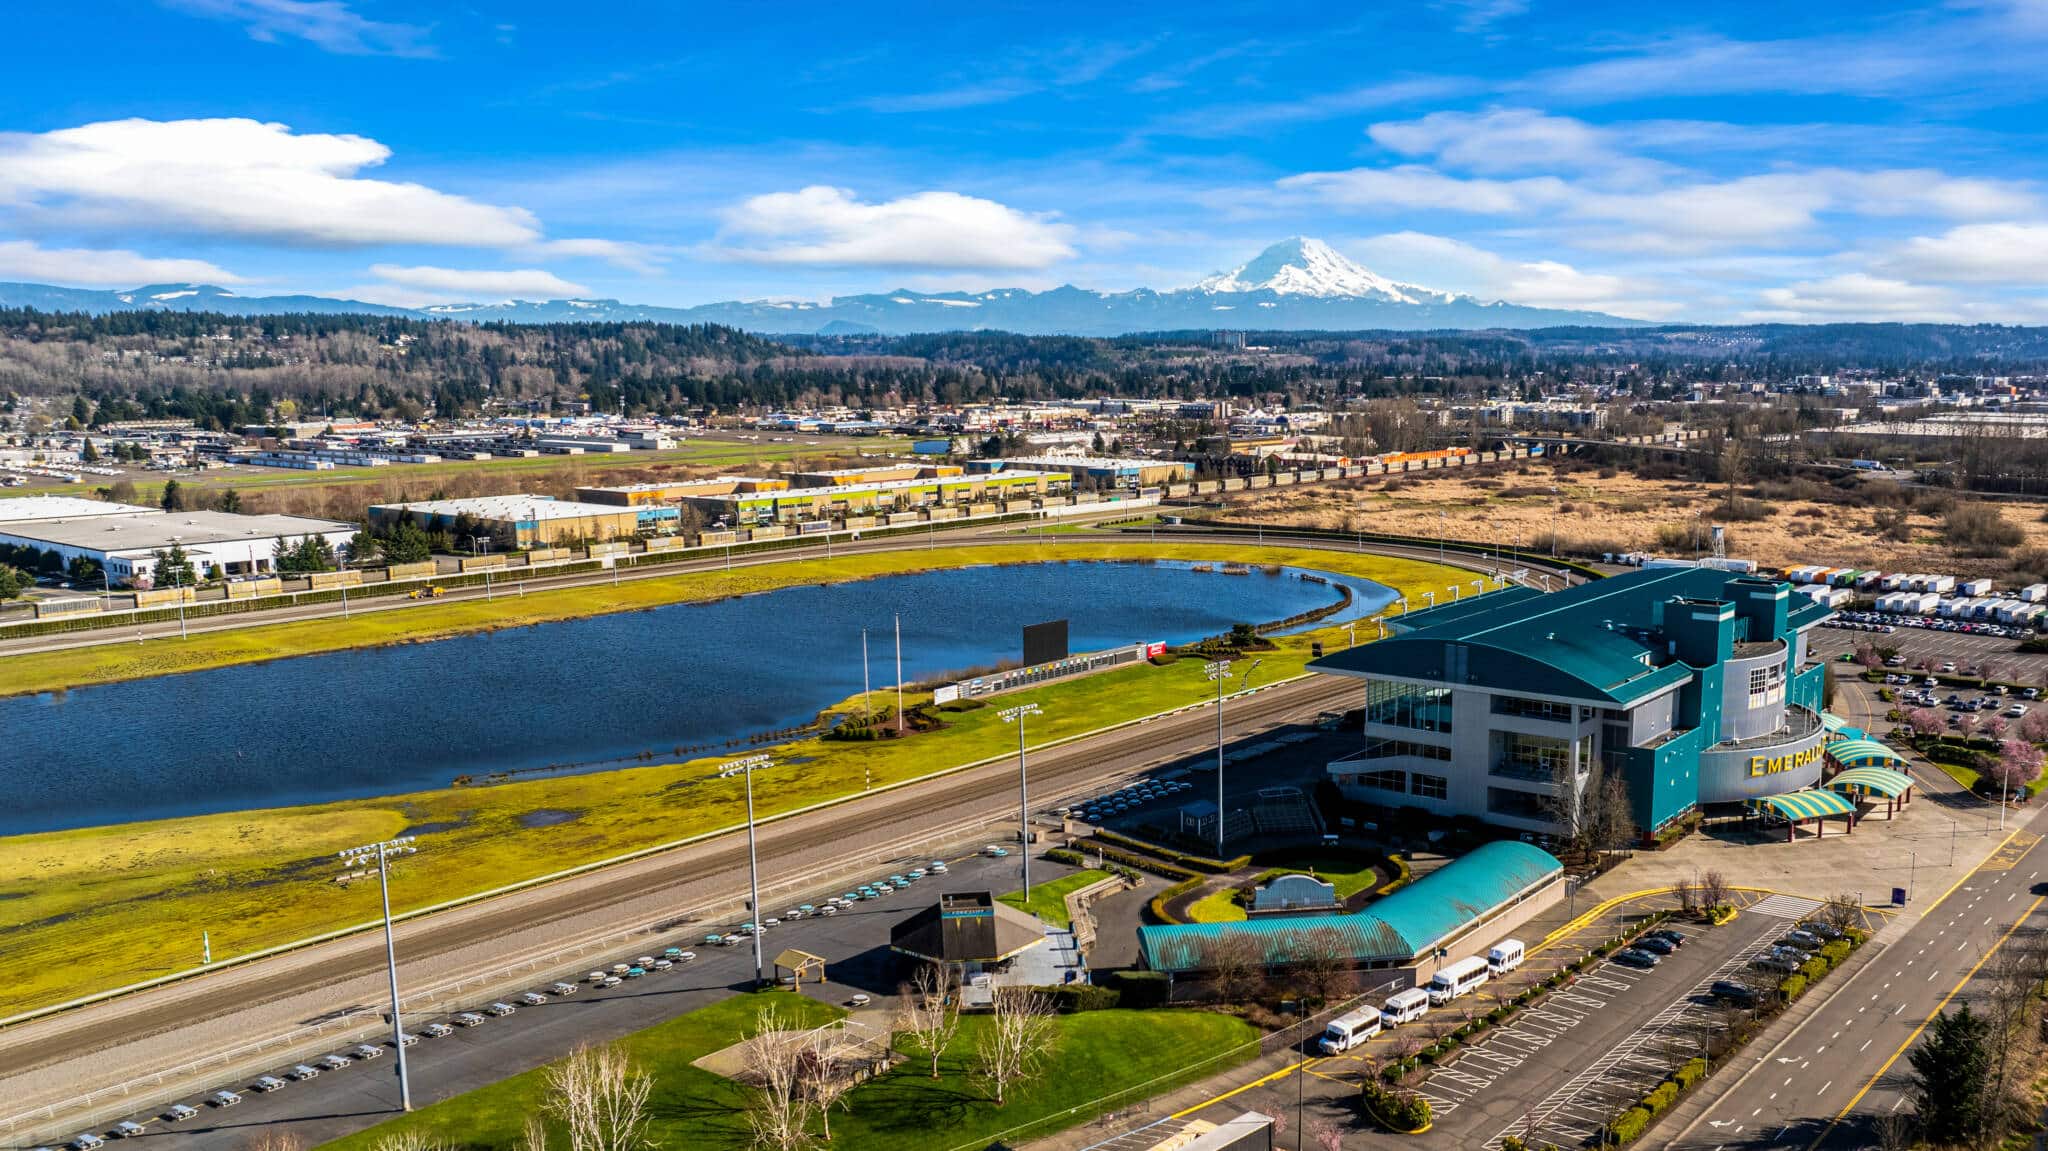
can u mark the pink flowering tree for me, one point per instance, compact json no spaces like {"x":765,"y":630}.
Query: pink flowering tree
{"x":2017,"y":764}
{"x":1991,"y":727}
{"x":2033,"y":727}
{"x":1925,"y":721}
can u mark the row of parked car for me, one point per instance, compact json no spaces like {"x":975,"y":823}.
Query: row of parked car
{"x":1650,"y":948}
{"x":1127,"y":799}
{"x":1789,"y":954}
{"x":866,"y":892}
{"x":1881,"y":622}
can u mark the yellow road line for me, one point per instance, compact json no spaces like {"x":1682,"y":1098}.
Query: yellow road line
{"x":1283,"y":1073}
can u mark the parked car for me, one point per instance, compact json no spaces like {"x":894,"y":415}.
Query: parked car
{"x":1674,"y":938}
{"x":86,"y":1141}
{"x":335,"y":1062}
{"x":1776,"y":961}
{"x":1729,"y":991}
{"x":562,"y":989}
{"x":472,"y":1019}
{"x":1655,"y":945}
{"x":1803,"y":940}
{"x":303,"y":1072}
{"x":223,"y":1098}
{"x":500,"y":1010}
{"x":365,"y":1051}
{"x":126,"y":1129}
{"x":1826,"y":931}
{"x":533,"y":999}
{"x":264,"y":1083}
{"x":1636,"y":957}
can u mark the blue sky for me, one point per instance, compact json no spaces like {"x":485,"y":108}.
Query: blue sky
{"x":1720,"y":163}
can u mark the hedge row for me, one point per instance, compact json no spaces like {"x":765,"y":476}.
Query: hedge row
{"x":1182,"y":859}
{"x":1157,"y":905}
{"x":1146,"y":863}
{"x":1072,"y":858}
{"x":1073,"y":997}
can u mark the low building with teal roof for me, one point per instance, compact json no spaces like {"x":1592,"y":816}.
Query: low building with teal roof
{"x":1449,"y":910}
{"x":1693,"y":686}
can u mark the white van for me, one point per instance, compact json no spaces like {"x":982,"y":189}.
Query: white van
{"x":1349,"y":1030}
{"x":1505,"y":956}
{"x":1456,"y":979}
{"x":1405,"y":1007}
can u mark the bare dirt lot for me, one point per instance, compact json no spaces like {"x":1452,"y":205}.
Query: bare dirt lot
{"x":1594,"y":509}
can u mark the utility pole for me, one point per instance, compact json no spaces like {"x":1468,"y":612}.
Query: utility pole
{"x":899,"y":673}
{"x":1017,"y":716}
{"x":382,"y":852}
{"x":867,"y":712}
{"x":746,"y":767}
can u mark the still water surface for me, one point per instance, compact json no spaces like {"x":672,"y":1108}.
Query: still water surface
{"x":589,"y":692}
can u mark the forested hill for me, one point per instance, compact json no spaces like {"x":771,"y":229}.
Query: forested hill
{"x":224,"y":370}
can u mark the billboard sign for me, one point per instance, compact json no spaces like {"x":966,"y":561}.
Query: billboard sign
{"x":1045,"y":642}
{"x":1154,"y":650}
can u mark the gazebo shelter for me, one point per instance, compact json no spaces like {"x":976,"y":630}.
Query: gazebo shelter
{"x":800,"y":964}
{"x":1874,"y":783}
{"x":1809,"y":806}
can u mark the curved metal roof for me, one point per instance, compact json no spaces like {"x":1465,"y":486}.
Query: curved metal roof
{"x":1862,"y":752}
{"x":1871,"y":780}
{"x":1809,"y":804}
{"x":1410,"y":922}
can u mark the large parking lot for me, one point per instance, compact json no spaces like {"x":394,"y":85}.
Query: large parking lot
{"x":1927,"y":648}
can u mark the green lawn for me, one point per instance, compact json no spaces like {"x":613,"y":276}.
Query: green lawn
{"x":1102,"y":1060}
{"x":257,"y":879}
{"x":697,"y":1108}
{"x":1348,"y":876}
{"x":1216,"y":907}
{"x":1049,"y":900}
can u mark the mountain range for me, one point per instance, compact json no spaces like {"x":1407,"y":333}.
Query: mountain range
{"x":1299,"y":284}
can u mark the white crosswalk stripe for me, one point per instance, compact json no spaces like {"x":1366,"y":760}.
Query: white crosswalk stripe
{"x":1784,"y":906}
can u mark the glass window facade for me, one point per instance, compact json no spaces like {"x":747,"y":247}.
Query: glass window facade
{"x":1518,"y":804}
{"x":1429,"y":786}
{"x":1392,"y":748}
{"x":1384,"y":780}
{"x":1537,"y":758}
{"x":1532,"y":709}
{"x":1405,"y":705}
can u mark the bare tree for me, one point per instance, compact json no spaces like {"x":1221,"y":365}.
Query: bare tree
{"x":1328,"y":1136}
{"x":271,"y":1139}
{"x":600,"y":1099}
{"x":535,"y":1137}
{"x":1321,"y":959}
{"x":827,"y":1066}
{"x":1236,"y":963}
{"x":1842,"y":911}
{"x":1610,"y":817}
{"x":778,"y":1115}
{"x":1713,"y":889}
{"x":1688,"y":894}
{"x":931,"y":1011}
{"x":1018,"y":1039}
{"x":1893,"y":1131}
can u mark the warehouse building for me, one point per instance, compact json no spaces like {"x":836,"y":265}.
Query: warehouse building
{"x":1104,"y":471}
{"x":125,"y":545}
{"x":1693,"y":685}
{"x":869,"y":498}
{"x":524,"y":521}
{"x":634,"y":495}
{"x":877,"y":474}
{"x":28,"y":508}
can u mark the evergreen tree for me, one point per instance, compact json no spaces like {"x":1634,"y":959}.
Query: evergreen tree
{"x":89,"y":454}
{"x":83,"y":569}
{"x":407,"y":544}
{"x":174,"y":497}
{"x":173,"y":567}
{"x":81,"y":410}
{"x":12,"y":582}
{"x":1949,"y":1073}
{"x":230,"y":501}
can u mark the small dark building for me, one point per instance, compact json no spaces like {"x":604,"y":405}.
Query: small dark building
{"x":967,"y":928}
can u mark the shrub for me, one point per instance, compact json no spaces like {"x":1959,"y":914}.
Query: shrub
{"x":1792,"y":986}
{"x":1835,"y":953}
{"x":1157,"y":905}
{"x":1689,"y":1073}
{"x":1629,"y":1127}
{"x":1068,"y":856}
{"x":1660,"y":1098}
{"x":1978,"y":529}
{"x":1814,"y":968}
{"x":1073,"y":997}
{"x":1398,"y":1111}
{"x":1139,"y":988}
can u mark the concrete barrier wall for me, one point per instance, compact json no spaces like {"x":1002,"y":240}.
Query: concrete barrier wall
{"x":252,"y":588}
{"x":53,"y":608}
{"x":716,"y":539}
{"x":324,"y":581}
{"x":157,"y":597}
{"x":421,"y":570}
{"x":481,"y":563}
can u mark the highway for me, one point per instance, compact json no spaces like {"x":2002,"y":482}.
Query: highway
{"x":1830,"y":1081}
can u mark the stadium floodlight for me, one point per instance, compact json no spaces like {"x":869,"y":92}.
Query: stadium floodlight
{"x":745,"y":767}
{"x":379,"y":855}
{"x":1218,"y":671}
{"x":1017,"y":715}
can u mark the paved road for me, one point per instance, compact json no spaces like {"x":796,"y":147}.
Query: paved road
{"x":349,"y":1099}
{"x":1846,"y":1060}
{"x":55,"y":1058}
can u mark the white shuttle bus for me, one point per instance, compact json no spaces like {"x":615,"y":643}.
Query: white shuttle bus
{"x":1349,"y":1030}
{"x":1405,"y":1006}
{"x":1455,"y":979}
{"x":1505,"y":956}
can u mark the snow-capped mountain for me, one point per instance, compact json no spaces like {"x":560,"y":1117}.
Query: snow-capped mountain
{"x":1300,"y":266}
{"x":1295,"y":285}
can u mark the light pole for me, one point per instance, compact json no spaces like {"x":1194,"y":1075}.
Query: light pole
{"x":1431,"y":597}
{"x":899,"y":673}
{"x":1218,"y":671}
{"x":1017,"y":715}
{"x":381,"y":853}
{"x":746,"y":768}
{"x":1441,"y":528}
{"x":867,"y":710}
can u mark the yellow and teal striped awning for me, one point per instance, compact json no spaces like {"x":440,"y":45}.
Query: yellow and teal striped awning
{"x":1839,"y":728}
{"x":1864,"y":753}
{"x":1871,"y":781}
{"x":1803,"y":805}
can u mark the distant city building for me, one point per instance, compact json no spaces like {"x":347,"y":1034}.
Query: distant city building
{"x":125,"y":544}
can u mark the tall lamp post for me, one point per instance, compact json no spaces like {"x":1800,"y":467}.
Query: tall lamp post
{"x":746,"y":768}
{"x":1218,"y":671}
{"x":1017,"y":715}
{"x":380,"y":854}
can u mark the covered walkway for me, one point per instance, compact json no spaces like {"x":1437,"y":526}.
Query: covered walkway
{"x":1874,"y":783}
{"x":1809,"y":806}
{"x":1846,"y":753}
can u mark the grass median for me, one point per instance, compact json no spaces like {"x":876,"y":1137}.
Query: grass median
{"x":1049,"y":900}
{"x":1095,"y":1056}
{"x":96,"y":908}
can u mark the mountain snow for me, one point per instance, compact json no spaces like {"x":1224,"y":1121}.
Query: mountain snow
{"x":1302,"y":266}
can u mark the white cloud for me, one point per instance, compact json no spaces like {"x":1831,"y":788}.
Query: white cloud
{"x":1416,"y":187}
{"x":1500,"y":140}
{"x":1442,"y":262}
{"x":238,"y":177}
{"x":1858,"y":296}
{"x":103,"y":268}
{"x":824,"y":225}
{"x":641,"y":258}
{"x":1243,"y":118}
{"x":328,"y":24}
{"x":2014,"y":253}
{"x":527,"y":283}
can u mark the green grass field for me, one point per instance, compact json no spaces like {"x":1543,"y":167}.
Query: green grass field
{"x":1348,"y":876}
{"x":1218,"y":906}
{"x":261,"y":878}
{"x":1049,"y":900}
{"x":1096,"y":1056}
